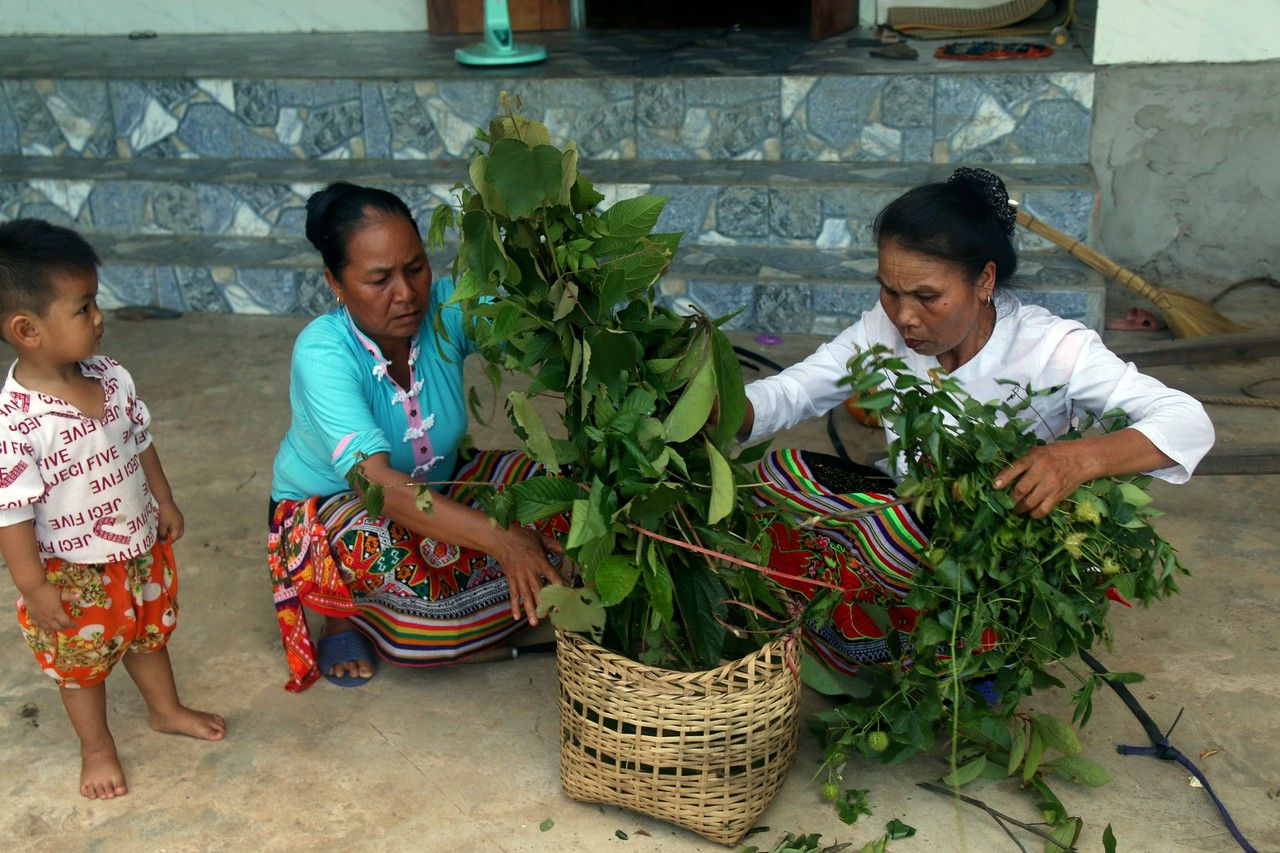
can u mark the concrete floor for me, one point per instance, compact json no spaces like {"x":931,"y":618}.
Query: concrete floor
{"x":466,"y":758}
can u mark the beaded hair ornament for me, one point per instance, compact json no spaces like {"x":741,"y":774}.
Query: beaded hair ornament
{"x":993,"y":192}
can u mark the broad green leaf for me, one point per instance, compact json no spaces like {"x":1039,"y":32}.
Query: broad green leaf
{"x":615,"y":578}
{"x":1050,"y":806}
{"x":442,"y":219}
{"x":1133,"y":495}
{"x":1018,"y":751}
{"x":693,"y":408}
{"x":965,"y":774}
{"x":662,"y":366}
{"x":700,"y":599}
{"x":723,"y":489}
{"x":373,"y":500}
{"x":484,"y":256}
{"x":641,"y":269}
{"x":614,"y":358}
{"x":525,"y":177}
{"x":424,"y":499}
{"x":649,"y":429}
{"x":876,"y":401}
{"x":829,"y":682}
{"x":594,"y":552}
{"x":1056,"y":734}
{"x":729,"y":389}
{"x":538,"y":442}
{"x":585,"y":523}
{"x":657,"y":580}
{"x":1065,"y":833}
{"x":575,"y":360}
{"x":584,"y":196}
{"x":1035,"y":751}
{"x":1108,"y":840}
{"x":542,"y":497}
{"x":568,"y":301}
{"x":521,"y":127}
{"x":633,"y":217}
{"x":490,"y":196}
{"x":898,"y":830}
{"x":853,"y":805}
{"x":546,"y":824}
{"x":586,"y":360}
{"x":572,"y":609}
{"x":568,"y":173}
{"x":1077,"y":768}
{"x":696,"y":353}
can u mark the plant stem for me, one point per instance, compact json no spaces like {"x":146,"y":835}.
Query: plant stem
{"x":973,"y":801}
{"x":728,"y":559}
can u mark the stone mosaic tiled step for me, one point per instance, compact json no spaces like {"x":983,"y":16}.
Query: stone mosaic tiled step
{"x":820,"y":112}
{"x":827,"y":205}
{"x":779,"y":290}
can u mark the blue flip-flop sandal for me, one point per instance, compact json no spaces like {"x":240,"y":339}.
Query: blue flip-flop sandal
{"x":340,"y":648}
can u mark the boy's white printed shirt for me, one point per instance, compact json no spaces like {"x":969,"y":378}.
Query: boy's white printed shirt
{"x":79,"y":478}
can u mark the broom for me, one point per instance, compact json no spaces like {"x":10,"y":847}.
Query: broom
{"x":1187,"y":316}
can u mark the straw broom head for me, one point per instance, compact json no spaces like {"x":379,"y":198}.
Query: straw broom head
{"x":1187,"y":316}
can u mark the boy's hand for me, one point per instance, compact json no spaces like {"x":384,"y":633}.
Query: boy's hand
{"x":170,"y":524}
{"x":45,"y":610}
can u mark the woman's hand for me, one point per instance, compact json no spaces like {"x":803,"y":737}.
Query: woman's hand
{"x":524,"y":562}
{"x":1040,"y":480}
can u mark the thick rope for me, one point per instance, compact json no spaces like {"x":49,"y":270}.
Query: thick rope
{"x":1255,"y":402}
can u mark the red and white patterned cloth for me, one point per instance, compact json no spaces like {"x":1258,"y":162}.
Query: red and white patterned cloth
{"x":79,"y":477}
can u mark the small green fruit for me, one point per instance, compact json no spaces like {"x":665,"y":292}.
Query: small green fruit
{"x":878,"y":741}
{"x":830,"y":792}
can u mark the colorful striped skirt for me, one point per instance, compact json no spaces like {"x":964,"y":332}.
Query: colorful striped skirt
{"x":421,"y":601}
{"x":871,"y":556}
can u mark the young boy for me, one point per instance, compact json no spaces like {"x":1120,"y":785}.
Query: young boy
{"x":87,"y":520}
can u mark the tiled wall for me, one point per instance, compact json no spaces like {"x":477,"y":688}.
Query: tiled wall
{"x":995,"y":118}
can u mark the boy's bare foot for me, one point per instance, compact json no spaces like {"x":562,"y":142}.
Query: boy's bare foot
{"x":101,"y":776}
{"x":184,"y":721}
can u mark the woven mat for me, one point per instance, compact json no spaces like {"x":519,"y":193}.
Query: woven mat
{"x":1004,"y":19}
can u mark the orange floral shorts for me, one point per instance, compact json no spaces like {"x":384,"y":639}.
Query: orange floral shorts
{"x":125,"y":606}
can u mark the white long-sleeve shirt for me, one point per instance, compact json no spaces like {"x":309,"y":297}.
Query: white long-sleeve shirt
{"x":1028,"y":346}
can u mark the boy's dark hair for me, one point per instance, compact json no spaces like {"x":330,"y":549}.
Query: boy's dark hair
{"x":31,"y":251}
{"x":965,"y":220}
{"x":337,"y":212}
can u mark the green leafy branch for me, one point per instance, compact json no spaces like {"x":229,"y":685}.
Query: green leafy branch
{"x":656,"y":491}
{"x":1000,"y":596}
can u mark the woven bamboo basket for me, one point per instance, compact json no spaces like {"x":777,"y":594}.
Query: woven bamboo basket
{"x":703,"y":750}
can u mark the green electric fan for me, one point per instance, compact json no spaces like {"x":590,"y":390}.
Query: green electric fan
{"x":498,"y":47}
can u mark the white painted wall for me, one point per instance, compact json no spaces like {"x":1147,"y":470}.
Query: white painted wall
{"x":1147,"y":31}
{"x":119,"y":17}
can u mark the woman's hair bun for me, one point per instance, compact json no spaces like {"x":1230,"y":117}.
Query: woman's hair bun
{"x":319,"y":202}
{"x":992,"y":190}
{"x":337,"y":212}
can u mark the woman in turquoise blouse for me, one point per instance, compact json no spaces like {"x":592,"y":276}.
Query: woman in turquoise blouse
{"x":372,"y":380}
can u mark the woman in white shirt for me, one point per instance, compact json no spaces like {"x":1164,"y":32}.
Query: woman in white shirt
{"x":945,"y":253}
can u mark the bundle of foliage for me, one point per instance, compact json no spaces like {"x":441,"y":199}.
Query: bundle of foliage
{"x":564,"y":292}
{"x":1001,"y":595}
